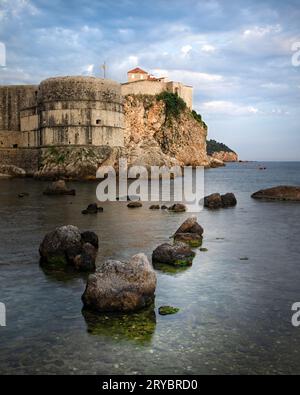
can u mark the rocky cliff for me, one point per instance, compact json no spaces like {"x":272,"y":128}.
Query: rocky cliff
{"x":225,"y":156}
{"x":221,"y":152}
{"x":161,"y":130}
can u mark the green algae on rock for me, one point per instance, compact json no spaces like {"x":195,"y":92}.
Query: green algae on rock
{"x":166,"y":310}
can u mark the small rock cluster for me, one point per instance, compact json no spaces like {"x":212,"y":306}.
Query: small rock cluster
{"x":188,"y":235}
{"x":66,"y":247}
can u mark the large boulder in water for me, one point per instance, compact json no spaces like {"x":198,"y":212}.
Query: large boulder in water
{"x":66,"y":246}
{"x":179,"y":254}
{"x":282,"y":192}
{"x":121,"y":286}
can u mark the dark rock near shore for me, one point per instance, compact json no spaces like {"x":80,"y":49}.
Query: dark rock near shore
{"x":59,"y":188}
{"x":177,"y":208}
{"x":121,"y":286}
{"x":279,"y":193}
{"x":65,"y":247}
{"x":164,"y":207}
{"x":134,"y":205}
{"x":179,"y":254}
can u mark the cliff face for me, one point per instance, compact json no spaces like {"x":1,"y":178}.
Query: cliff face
{"x":225,"y":156}
{"x":156,"y":135}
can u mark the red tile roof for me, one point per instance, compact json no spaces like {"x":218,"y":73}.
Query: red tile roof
{"x":137,"y":70}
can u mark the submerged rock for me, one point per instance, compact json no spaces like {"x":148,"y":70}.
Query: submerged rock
{"x":65,"y":247}
{"x":92,"y":209}
{"x":192,"y":239}
{"x":166,"y":310}
{"x":281,"y":193}
{"x":59,"y":188}
{"x":177,"y":208}
{"x":134,"y":205}
{"x":154,"y":207}
{"x":121,"y":286}
{"x":179,"y":254}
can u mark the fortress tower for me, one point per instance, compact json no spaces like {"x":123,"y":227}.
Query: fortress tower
{"x":62,"y":111}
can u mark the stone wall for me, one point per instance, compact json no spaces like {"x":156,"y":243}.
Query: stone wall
{"x":13,"y":98}
{"x":26,"y":158}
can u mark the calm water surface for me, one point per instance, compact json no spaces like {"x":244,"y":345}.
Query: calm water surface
{"x":235,"y":315}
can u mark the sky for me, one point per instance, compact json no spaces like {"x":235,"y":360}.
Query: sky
{"x":241,"y":57}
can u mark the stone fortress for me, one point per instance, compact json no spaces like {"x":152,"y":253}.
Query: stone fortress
{"x":74,"y":110}
{"x":69,"y":126}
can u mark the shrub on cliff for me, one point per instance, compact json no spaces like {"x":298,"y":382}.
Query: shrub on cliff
{"x":175,"y":105}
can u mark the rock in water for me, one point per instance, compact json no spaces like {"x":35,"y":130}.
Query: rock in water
{"x":190,"y":225}
{"x":177,"y":208}
{"x":59,"y":188}
{"x":92,"y":209}
{"x":134,"y":205}
{"x":228,"y":200}
{"x":213,"y":201}
{"x":121,"y":286}
{"x":65,"y":246}
{"x":281,"y":193}
{"x":178,"y":254}
{"x":192,"y":239}
{"x":166,"y":310}
{"x":154,"y":207}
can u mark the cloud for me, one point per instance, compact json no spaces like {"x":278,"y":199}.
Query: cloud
{"x":208,"y":48}
{"x":228,"y":108}
{"x":186,"y":49}
{"x":261,"y":31}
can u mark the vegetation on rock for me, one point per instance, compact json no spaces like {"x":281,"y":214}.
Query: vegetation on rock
{"x":175,"y":105}
{"x":214,"y":146}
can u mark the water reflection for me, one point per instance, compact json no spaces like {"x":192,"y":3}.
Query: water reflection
{"x":63,"y":275}
{"x":138,"y":327}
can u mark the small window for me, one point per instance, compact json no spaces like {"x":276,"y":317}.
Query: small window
{"x":98,"y":122}
{"x":15,"y":145}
